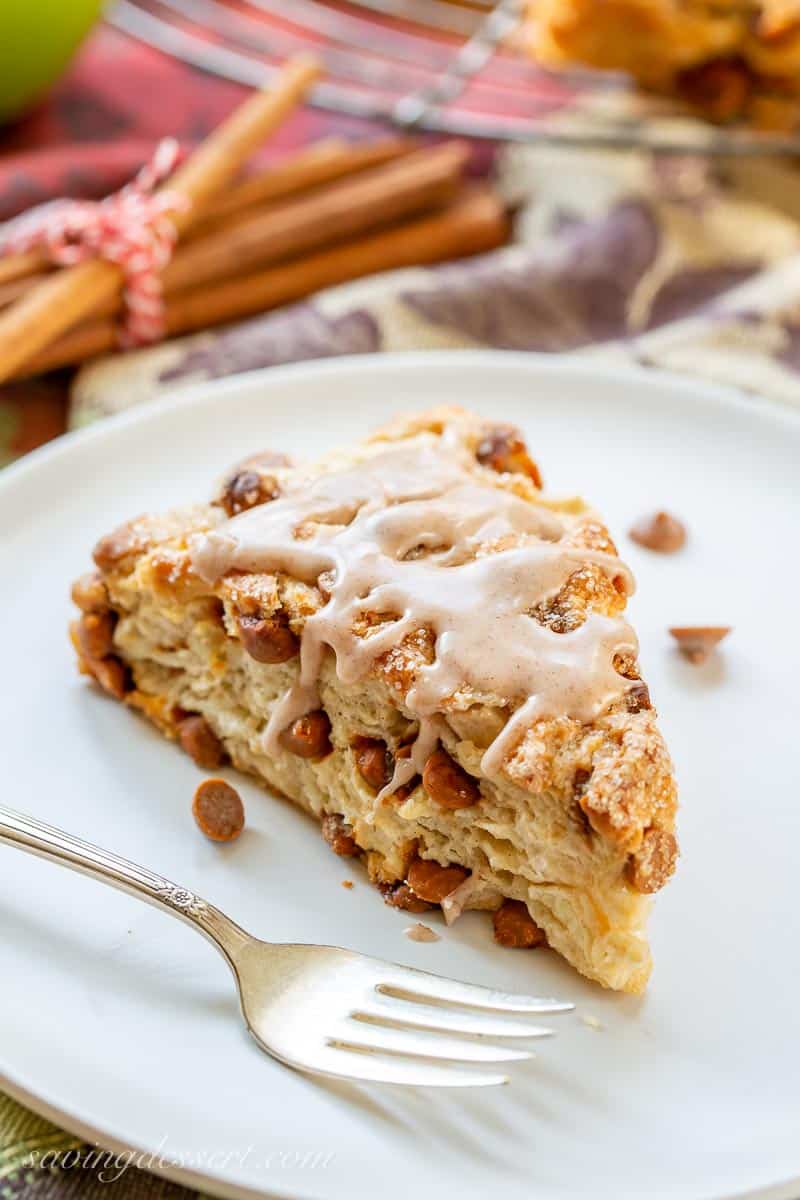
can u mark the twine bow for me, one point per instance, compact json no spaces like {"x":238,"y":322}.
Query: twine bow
{"x":131,"y":228}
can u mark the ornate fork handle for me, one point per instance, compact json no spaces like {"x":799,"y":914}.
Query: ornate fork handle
{"x":27,"y":833}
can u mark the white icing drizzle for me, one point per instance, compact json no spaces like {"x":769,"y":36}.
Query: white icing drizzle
{"x":406,"y":768}
{"x":408,"y":533}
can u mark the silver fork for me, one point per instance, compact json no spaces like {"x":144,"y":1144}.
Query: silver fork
{"x":320,"y":1008}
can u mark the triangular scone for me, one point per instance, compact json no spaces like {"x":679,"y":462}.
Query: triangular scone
{"x":411,"y":641}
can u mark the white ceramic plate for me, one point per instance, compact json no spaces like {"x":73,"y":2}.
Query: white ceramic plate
{"x":120,"y":1024}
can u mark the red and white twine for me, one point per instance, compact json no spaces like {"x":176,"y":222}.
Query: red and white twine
{"x":131,"y":228}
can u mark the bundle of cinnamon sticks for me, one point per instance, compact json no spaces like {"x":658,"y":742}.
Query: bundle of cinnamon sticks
{"x":330,"y":213}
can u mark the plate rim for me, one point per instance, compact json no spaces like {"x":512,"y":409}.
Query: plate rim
{"x":206,"y":392}
{"x":203,"y":391}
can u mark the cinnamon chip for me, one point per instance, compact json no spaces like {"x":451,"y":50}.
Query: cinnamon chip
{"x":638,"y":698}
{"x":659,"y":531}
{"x":268,"y":639}
{"x":448,"y":784}
{"x":503,"y":449}
{"x":90,"y":593}
{"x":199,"y":741}
{"x":245,"y":490}
{"x":654,"y":862}
{"x":515,"y":927}
{"x":218,"y":810}
{"x":307,"y":737}
{"x":696,"y":642}
{"x":400,"y":895}
{"x":339,"y":836}
{"x":112,"y":675}
{"x":432,"y":882}
{"x":95,"y":634}
{"x":374,"y":761}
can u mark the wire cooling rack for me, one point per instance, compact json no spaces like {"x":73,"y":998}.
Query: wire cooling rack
{"x":448,"y":66}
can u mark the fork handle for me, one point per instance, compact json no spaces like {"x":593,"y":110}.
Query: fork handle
{"x":29,"y":834}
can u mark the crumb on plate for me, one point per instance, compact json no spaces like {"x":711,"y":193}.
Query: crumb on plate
{"x":697,"y":642}
{"x":421,"y":933}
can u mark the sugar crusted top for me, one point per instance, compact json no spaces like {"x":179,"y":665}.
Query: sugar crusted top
{"x":411,"y":538}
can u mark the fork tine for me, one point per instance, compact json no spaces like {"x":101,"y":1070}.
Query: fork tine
{"x":359,"y":1035}
{"x":390,"y":1010}
{"x":423,"y":986}
{"x":371,"y":1067}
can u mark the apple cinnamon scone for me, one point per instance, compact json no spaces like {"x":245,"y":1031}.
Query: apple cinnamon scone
{"x":415,"y":644}
{"x":728,"y":58}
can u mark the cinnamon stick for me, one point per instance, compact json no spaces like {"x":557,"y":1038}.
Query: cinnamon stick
{"x":11,"y":291}
{"x":68,"y":296}
{"x":18,"y":266}
{"x":420,"y":181}
{"x":322,"y":162}
{"x":424,"y":180}
{"x":474,"y":223}
{"x":218,"y":160}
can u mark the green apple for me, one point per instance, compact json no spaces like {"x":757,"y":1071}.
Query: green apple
{"x":37,"y":40}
